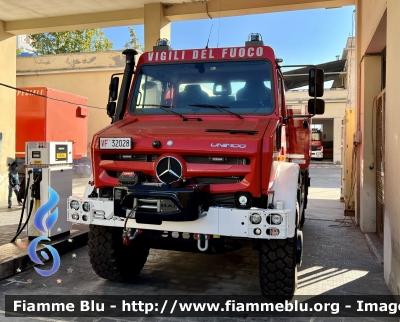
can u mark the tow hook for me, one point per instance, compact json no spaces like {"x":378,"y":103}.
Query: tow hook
{"x":202,"y":238}
{"x":129,"y":235}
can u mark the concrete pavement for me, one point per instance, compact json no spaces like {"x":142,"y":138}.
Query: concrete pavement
{"x":337,"y":261}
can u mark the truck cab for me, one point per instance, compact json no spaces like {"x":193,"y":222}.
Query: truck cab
{"x":201,"y":151}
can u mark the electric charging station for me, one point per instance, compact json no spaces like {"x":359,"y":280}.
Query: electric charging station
{"x":49,"y":164}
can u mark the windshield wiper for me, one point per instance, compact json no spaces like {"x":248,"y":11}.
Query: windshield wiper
{"x":167,"y":108}
{"x":219,"y":108}
{"x":249,"y":132}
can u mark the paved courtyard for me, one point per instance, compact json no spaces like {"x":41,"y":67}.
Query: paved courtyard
{"x":337,"y":261}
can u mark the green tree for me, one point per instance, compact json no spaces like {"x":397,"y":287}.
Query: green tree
{"x":76,"y":41}
{"x":19,"y":51}
{"x":133,"y":43}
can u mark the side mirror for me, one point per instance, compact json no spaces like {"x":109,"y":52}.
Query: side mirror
{"x":113,"y":88}
{"x":316,"y":106}
{"x":316,"y":82}
{"x":111,"y":106}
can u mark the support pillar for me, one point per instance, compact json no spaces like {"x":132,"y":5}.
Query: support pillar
{"x":155,"y":25}
{"x":370,"y":88}
{"x":7,"y":106}
{"x":391,"y":238}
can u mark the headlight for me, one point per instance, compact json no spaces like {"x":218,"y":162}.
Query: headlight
{"x":255,"y":218}
{"x":84,"y":217}
{"x":74,"y":204}
{"x":276,"y":219}
{"x":86,"y":206}
{"x":243,"y":200}
{"x":257,"y":231}
{"x":75,"y":216}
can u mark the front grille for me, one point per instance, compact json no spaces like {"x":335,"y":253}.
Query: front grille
{"x":131,"y":157}
{"x":113,"y":174}
{"x":189,"y":159}
{"x":314,"y":148}
{"x":217,"y":180}
{"x":222,"y":200}
{"x":215,"y":160}
{"x":116,"y":174}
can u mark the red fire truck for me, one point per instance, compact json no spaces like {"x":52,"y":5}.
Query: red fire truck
{"x":317,"y":149}
{"x":201,"y":151}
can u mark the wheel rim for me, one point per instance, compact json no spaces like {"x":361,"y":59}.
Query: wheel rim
{"x":299,"y":248}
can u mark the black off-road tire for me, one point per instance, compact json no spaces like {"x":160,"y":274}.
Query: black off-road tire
{"x":278,"y":269}
{"x":306,"y":180}
{"x":110,"y":258}
{"x":303,"y":218}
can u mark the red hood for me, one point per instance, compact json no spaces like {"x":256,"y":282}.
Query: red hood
{"x":233,"y":131}
{"x":156,"y":126}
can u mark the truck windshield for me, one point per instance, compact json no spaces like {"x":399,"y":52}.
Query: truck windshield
{"x":242,"y":87}
{"x":316,"y":136}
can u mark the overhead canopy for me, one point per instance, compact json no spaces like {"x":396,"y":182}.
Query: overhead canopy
{"x":299,"y":77}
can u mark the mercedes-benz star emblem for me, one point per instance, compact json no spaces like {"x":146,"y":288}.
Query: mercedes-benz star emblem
{"x":169,"y":170}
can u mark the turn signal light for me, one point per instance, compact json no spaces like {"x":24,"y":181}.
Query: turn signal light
{"x":273,"y":231}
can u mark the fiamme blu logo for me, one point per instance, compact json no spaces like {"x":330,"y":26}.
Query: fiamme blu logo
{"x":44,"y":228}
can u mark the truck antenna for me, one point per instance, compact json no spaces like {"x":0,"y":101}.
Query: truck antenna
{"x":209,"y":35}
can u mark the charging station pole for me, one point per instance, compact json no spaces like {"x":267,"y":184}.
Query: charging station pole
{"x":51,"y":165}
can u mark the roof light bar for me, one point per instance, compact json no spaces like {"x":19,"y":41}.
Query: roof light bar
{"x":255,"y":39}
{"x":162,"y":45}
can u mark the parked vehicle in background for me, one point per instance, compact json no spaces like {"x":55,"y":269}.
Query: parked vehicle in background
{"x":82,"y":167}
{"x":317,"y":149}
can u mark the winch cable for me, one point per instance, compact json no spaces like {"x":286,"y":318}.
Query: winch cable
{"x":126,"y":238}
{"x":29,"y":215}
{"x":127,"y":217}
{"x":24,"y":203}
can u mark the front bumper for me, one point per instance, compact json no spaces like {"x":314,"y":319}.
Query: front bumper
{"x":217,"y":221}
{"x":317,"y":155}
{"x":155,"y":204}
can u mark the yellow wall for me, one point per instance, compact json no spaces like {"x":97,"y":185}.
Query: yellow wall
{"x":86,"y":74}
{"x":392,"y":177}
{"x":7,"y":106}
{"x":348,"y":172}
{"x":369,"y":14}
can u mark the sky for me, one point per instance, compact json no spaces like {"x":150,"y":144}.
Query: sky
{"x":298,"y":37}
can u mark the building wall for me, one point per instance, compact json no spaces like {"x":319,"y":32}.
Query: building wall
{"x":86,"y":74}
{"x":369,"y":14}
{"x":335,"y":106}
{"x":24,"y":43}
{"x":378,"y":26}
{"x":7,"y":107}
{"x":371,"y":40}
{"x":392,"y":146}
